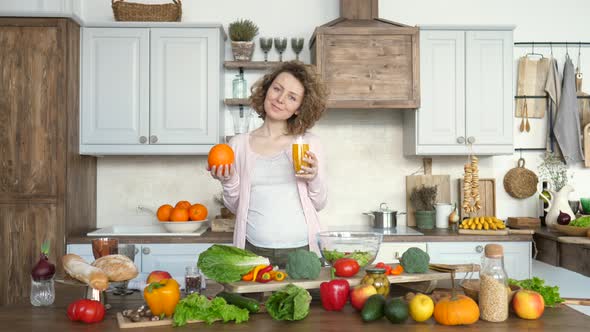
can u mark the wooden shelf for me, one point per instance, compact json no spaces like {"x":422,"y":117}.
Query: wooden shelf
{"x":236,"y":101}
{"x":250,"y":64}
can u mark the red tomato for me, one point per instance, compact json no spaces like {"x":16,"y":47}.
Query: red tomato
{"x":87,"y":311}
{"x":346,"y":267}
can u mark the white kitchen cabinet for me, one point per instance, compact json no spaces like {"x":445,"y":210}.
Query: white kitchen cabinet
{"x":517,"y":255}
{"x":466,"y":93}
{"x":151,"y":91}
{"x":388,"y":251}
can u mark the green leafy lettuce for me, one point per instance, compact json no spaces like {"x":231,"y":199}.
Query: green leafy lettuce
{"x":362,"y":257}
{"x":303,"y":264}
{"x":198,"y":307}
{"x":550,"y":293}
{"x":581,"y":222}
{"x":289,"y":303}
{"x":227,"y":264}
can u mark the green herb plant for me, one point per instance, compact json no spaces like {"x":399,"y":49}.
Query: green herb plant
{"x":242,"y":30}
{"x":424,"y":198}
{"x":549,"y":293}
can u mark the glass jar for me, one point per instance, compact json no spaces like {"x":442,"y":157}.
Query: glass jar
{"x":493,"y":290}
{"x":192,"y":280}
{"x":378,"y":279}
{"x":42,"y":292}
{"x":239,"y":87}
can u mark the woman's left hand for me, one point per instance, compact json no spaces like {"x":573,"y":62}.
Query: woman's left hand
{"x":309,"y":173}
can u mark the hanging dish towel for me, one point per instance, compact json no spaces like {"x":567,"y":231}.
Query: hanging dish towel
{"x":532,"y":76}
{"x":553,"y":90}
{"x":567,"y":123}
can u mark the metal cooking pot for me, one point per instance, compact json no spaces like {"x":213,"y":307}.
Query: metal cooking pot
{"x":384,"y":217}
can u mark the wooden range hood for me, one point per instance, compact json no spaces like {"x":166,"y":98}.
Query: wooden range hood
{"x":367,"y":62}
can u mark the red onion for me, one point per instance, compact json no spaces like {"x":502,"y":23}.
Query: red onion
{"x":43,"y":270}
{"x":563,"y":218}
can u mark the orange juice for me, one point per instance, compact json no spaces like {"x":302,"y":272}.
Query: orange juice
{"x":298,"y":154}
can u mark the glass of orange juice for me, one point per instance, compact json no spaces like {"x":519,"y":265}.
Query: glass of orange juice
{"x":299,"y":149}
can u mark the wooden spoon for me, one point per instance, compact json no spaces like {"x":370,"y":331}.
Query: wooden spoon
{"x":526,"y":112}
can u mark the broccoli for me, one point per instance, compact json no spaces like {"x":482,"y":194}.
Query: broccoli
{"x":415,"y":260}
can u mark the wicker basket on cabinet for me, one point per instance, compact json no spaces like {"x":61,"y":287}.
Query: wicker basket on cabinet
{"x":132,"y":11}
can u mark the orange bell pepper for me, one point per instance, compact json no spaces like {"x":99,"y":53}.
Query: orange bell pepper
{"x":162,"y":296}
{"x":399,"y":269}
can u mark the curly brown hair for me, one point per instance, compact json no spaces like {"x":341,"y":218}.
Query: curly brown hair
{"x":314,"y":97}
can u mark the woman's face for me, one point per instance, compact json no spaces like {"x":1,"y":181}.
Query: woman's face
{"x":283,"y":98}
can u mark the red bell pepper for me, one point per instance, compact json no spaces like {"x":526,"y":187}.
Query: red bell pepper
{"x":334,"y":294}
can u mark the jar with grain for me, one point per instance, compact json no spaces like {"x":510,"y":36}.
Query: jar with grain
{"x":494,"y":290}
{"x":378,"y":279}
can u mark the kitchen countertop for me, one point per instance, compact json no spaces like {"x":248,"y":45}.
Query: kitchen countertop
{"x":19,"y":318}
{"x":432,"y":235}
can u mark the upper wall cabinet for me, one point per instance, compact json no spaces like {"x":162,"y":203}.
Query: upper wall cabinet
{"x":466,"y":76}
{"x":151,"y":91}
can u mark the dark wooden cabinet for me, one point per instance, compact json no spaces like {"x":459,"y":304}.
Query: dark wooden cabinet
{"x":47,"y":190}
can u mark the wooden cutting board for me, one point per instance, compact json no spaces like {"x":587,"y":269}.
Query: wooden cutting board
{"x":414,"y":181}
{"x":496,"y":232}
{"x":487,"y":194}
{"x":256,"y":287}
{"x":586,"y":134}
{"x":523,"y":222}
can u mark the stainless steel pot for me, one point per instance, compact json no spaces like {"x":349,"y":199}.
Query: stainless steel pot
{"x":384,"y":217}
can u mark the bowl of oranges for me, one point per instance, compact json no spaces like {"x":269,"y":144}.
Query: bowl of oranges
{"x":184,"y":217}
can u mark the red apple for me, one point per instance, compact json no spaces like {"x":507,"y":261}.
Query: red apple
{"x":157,"y":275}
{"x":528,"y":304}
{"x":359,"y":294}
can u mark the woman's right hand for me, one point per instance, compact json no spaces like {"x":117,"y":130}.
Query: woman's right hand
{"x":223,"y":173}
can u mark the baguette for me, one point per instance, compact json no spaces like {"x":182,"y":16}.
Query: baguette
{"x":78,"y":268}
{"x":117,"y":267}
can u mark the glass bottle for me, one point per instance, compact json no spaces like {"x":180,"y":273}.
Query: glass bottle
{"x":378,"y":279}
{"x":494,"y":290}
{"x":239,"y":87}
{"x":42,"y":292}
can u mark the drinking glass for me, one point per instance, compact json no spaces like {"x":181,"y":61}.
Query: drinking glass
{"x":575,"y":205}
{"x":281,"y":46}
{"x":266,"y":46}
{"x":300,"y":147}
{"x":121,"y":286}
{"x":104,"y":246}
{"x":192,"y":280}
{"x":297,"y":46}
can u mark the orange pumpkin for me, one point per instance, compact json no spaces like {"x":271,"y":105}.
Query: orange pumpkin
{"x":456,"y":310}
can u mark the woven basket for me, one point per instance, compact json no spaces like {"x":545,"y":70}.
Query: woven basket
{"x":132,"y":11}
{"x":520,"y":182}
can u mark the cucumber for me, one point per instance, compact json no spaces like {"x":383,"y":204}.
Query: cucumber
{"x":241,"y":301}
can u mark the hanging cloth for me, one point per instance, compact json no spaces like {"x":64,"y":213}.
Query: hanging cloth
{"x":532,"y":77}
{"x":553,"y":90}
{"x":567,"y":123}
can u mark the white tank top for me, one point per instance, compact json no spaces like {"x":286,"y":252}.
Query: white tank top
{"x":275,"y":215}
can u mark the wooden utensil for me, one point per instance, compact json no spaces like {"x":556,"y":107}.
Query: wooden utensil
{"x":443,"y":182}
{"x":487,"y":192}
{"x":570,"y":300}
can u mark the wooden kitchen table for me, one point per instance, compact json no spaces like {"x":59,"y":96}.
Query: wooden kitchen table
{"x":53,"y":318}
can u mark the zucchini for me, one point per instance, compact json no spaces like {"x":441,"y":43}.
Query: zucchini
{"x":241,"y":301}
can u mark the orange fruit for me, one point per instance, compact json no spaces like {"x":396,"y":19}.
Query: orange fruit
{"x":220,"y":154}
{"x":179,"y":214}
{"x":183,"y":204}
{"x":164,"y":212}
{"x":197,"y":212}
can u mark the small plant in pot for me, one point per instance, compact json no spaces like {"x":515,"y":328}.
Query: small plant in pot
{"x":242,"y":33}
{"x":423,"y":199}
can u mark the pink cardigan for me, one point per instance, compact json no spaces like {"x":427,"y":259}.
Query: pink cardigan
{"x":236,"y":191}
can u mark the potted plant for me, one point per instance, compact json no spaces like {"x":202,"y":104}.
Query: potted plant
{"x":423,"y":199}
{"x":241,"y":33}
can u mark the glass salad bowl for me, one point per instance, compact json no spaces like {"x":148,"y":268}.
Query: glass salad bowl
{"x":362,"y":246}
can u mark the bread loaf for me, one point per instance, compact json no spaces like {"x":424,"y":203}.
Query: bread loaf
{"x":78,"y":268}
{"x":117,"y":267}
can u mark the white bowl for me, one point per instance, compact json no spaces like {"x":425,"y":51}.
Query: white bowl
{"x":184,"y":226}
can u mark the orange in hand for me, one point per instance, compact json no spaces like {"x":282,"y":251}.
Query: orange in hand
{"x":183,"y":204}
{"x":179,"y":214}
{"x":164,"y":212}
{"x":197,"y":212}
{"x":220,"y":154}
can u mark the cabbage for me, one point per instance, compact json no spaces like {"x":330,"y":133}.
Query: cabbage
{"x":227,"y":264}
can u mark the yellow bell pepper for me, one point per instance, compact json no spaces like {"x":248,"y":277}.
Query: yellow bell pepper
{"x":162,"y":296}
